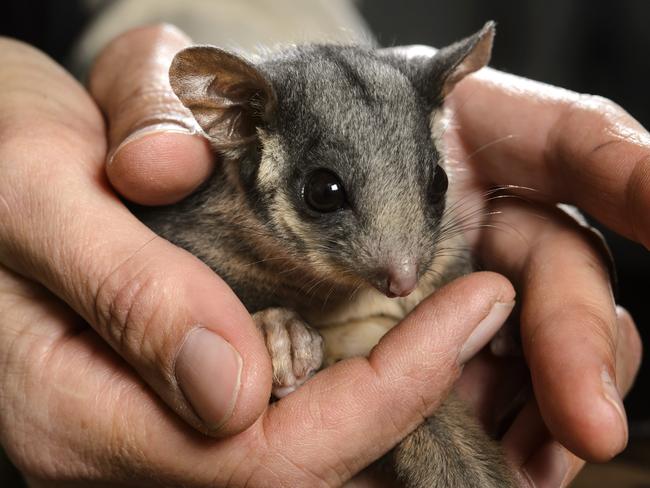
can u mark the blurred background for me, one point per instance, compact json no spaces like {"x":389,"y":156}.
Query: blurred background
{"x":591,"y":46}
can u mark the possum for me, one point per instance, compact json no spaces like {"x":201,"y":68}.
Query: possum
{"x":326,"y":212}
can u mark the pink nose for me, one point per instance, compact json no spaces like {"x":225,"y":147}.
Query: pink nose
{"x":402,"y":279}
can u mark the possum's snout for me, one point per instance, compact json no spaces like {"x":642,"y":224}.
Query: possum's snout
{"x":397,"y":279}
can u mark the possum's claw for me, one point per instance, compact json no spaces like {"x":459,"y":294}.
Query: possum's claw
{"x":296,"y":349}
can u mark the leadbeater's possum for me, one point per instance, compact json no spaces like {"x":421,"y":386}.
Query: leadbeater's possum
{"x":326,"y":209}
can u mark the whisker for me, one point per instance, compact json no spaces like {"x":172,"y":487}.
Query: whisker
{"x":490,"y":144}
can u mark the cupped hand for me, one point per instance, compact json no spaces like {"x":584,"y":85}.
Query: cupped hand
{"x":73,"y":412}
{"x":550,"y":145}
{"x":61,"y":225}
{"x":506,"y":131}
{"x":103,"y":326}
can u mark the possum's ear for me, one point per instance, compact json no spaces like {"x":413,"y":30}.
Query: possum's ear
{"x":227,"y":95}
{"x":435,"y":73}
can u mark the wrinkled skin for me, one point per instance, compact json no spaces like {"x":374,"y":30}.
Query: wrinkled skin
{"x":72,"y":410}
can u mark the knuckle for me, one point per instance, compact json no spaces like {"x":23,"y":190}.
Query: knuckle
{"x":144,"y":107}
{"x":144,"y":99}
{"x":291,"y":464}
{"x":128,"y":306}
{"x":593,"y":321}
{"x":583,"y":112}
{"x":420,"y":392}
{"x":595,"y":107}
{"x":590,"y":321}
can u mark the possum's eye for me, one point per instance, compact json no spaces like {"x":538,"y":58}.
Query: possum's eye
{"x":324,"y":192}
{"x":439,"y":186}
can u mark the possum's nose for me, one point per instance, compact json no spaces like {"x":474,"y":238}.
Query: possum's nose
{"x":402,"y":278}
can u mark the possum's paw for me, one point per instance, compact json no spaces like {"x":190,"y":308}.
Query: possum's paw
{"x":296,"y":349}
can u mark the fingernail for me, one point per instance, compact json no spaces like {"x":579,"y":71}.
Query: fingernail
{"x":611,"y":394}
{"x":208,"y":371}
{"x":180,"y":127}
{"x":485,"y":330}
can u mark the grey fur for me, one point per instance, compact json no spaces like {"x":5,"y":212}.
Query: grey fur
{"x":450,"y":450}
{"x":366,"y":116}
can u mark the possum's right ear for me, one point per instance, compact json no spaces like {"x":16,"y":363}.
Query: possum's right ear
{"x":227,"y":95}
{"x":435,"y":73}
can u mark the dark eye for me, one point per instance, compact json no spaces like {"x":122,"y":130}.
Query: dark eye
{"x":324,"y":192}
{"x":439,"y":185}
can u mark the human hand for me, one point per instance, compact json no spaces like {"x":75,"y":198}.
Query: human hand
{"x":61,"y":225}
{"x":581,"y":294}
{"x":550,"y":145}
{"x":73,"y":411}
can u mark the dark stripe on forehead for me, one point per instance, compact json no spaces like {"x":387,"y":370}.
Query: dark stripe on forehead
{"x":355,"y":79}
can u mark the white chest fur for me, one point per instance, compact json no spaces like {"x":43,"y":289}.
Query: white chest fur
{"x":354,"y":327}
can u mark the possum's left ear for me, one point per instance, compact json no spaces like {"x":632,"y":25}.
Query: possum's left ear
{"x":435,"y":73}
{"x":228,"y":96}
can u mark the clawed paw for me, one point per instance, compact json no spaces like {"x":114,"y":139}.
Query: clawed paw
{"x":296,"y":349}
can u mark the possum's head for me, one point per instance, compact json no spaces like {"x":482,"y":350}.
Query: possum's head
{"x":335,"y":148}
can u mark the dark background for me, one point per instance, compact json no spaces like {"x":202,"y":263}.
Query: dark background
{"x":592,"y":46}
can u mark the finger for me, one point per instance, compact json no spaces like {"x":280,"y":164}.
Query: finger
{"x":157,"y":154}
{"x":568,"y":325}
{"x":539,"y":461}
{"x":72,"y":412}
{"x":552,"y":466}
{"x":340,"y":421}
{"x":573,"y":148}
{"x":495,"y":388}
{"x":164,"y":311}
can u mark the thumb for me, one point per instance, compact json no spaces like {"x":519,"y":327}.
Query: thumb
{"x":157,"y":155}
{"x":162,"y":310}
